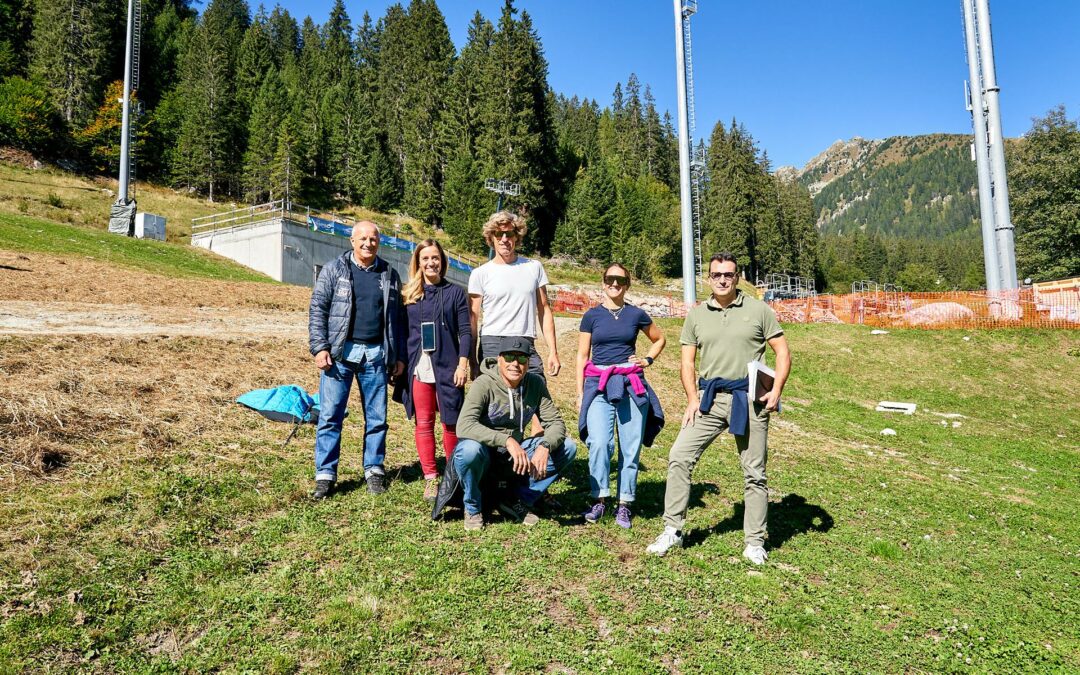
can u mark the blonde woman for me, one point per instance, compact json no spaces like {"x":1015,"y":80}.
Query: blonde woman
{"x":439,"y":344}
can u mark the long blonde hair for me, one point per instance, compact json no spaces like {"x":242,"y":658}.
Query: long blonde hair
{"x":413,"y":289}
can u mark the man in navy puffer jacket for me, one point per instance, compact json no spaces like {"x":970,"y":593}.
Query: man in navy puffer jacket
{"x":356,"y":327}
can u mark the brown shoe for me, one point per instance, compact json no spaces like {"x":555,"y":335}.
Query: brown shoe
{"x":474,"y":522}
{"x":431,"y":489}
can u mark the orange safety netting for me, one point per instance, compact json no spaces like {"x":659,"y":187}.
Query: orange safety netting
{"x":1024,"y":308}
{"x":1056,"y":307}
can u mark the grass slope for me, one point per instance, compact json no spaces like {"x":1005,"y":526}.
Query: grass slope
{"x":32,"y":234}
{"x":148,"y":524}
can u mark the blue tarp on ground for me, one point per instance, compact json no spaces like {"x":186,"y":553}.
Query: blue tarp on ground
{"x":287,"y":403}
{"x":342,"y":230}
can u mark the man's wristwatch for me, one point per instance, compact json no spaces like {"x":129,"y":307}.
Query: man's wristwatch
{"x":648,"y":360}
{"x":545,"y":444}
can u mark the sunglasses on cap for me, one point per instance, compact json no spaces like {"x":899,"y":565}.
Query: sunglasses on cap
{"x":616,"y":280}
{"x":510,"y":357}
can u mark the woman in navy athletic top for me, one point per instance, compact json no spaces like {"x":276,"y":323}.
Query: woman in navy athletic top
{"x":612,"y":391}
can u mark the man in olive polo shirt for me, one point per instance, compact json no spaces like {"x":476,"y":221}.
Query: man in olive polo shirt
{"x":730,"y":330}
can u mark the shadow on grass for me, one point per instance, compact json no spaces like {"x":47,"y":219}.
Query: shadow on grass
{"x":648,"y":501}
{"x":789,"y":517}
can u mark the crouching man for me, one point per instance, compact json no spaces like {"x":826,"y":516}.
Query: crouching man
{"x":491,"y":428}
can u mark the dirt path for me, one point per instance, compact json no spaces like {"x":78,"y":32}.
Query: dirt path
{"x":79,"y":318}
{"x":76,"y":318}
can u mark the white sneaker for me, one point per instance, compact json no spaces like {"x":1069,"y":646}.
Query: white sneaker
{"x":755,"y":554}
{"x":669,"y":538}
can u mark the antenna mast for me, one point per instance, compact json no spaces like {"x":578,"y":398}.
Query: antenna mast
{"x":684,"y":9}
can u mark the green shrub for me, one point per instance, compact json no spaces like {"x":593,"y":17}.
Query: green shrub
{"x":28,"y":119}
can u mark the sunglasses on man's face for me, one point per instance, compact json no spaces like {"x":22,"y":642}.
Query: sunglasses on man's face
{"x":616,"y":280}
{"x":505,"y":235}
{"x":717,"y":276}
{"x":510,"y":357}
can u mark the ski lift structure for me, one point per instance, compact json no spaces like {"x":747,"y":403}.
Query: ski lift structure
{"x":785,"y":286}
{"x":871,"y":298}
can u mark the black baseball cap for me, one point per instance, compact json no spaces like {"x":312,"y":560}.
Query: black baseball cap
{"x":515,"y":344}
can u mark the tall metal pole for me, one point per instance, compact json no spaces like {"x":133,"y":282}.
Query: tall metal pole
{"x":977,"y":107}
{"x":125,"y":133}
{"x":689,"y":282}
{"x":1006,"y":248}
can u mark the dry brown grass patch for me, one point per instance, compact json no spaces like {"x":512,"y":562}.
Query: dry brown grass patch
{"x":72,"y":279}
{"x":88,"y":404}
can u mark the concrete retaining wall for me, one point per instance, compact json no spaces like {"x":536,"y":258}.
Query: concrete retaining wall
{"x":293,"y":253}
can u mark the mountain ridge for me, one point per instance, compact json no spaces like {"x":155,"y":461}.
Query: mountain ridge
{"x":906,"y":186}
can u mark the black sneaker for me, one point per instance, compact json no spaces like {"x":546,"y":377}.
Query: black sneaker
{"x":520,"y":512}
{"x":376,"y":483}
{"x":322,"y":489}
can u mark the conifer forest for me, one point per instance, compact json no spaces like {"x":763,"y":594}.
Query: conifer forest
{"x":247,"y":106}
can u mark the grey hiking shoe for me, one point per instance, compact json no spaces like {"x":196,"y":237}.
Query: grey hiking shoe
{"x":474,"y":522}
{"x":322,"y":489}
{"x":520,"y":512}
{"x":376,"y":483}
{"x":431,"y":489}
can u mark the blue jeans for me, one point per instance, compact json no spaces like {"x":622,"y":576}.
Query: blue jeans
{"x":367,"y":363}
{"x":601,"y":419}
{"x":471,"y":460}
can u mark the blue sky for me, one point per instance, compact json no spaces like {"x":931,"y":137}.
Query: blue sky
{"x":798,"y":74}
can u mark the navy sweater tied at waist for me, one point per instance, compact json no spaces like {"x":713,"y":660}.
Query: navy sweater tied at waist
{"x":739,"y":415}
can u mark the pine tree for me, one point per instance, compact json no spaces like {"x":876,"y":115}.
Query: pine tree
{"x":586,"y":231}
{"x":268,"y":113}
{"x":211,"y":130}
{"x":165,"y":23}
{"x":70,"y":52}
{"x":284,"y":37}
{"x":464,"y":204}
{"x":517,"y":141}
{"x":645,"y":228}
{"x":362,"y":138}
{"x":254,"y":61}
{"x":310,"y":86}
{"x":338,"y":100}
{"x":15,"y":35}
{"x":381,"y":184}
{"x":415,"y":61}
{"x":462,"y":118}
{"x":286,"y":175}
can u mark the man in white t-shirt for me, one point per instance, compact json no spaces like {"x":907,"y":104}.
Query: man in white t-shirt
{"x":509,"y":291}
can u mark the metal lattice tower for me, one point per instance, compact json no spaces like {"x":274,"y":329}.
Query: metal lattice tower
{"x":689,"y":8}
{"x":697,"y":171}
{"x":697,"y":164}
{"x":136,"y":44}
{"x":137,"y":110}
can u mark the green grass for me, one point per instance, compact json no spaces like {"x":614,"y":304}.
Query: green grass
{"x":943,"y":548}
{"x":28,"y":233}
{"x":58,"y":195}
